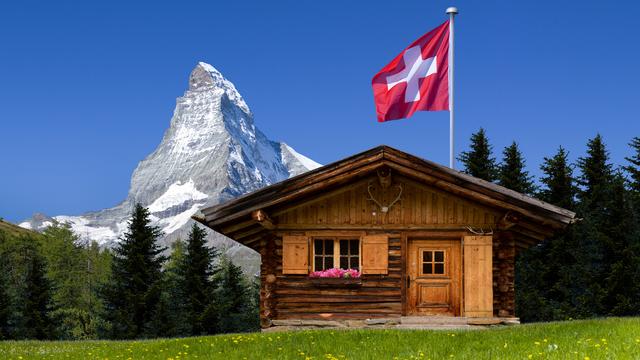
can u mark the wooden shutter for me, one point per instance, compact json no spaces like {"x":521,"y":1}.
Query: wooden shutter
{"x":295,"y":255}
{"x":375,"y":254}
{"x":478,"y":276}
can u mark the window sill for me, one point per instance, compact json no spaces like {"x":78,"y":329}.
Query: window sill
{"x":336,"y":282}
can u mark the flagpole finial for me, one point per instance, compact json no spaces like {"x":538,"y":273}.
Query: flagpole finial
{"x":452,"y":10}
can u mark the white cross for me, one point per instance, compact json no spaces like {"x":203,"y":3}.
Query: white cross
{"x":415,"y":68}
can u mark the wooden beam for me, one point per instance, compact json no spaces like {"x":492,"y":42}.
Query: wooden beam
{"x":262,"y":218}
{"x":386,"y":227}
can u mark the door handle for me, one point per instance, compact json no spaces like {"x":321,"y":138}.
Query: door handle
{"x":408,"y":281}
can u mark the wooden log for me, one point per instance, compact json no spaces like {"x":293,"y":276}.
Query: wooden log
{"x":282,"y":299}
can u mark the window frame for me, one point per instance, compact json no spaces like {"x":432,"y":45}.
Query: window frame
{"x":433,"y":262}
{"x":336,"y":250}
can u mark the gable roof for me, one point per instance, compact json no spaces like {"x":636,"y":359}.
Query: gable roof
{"x":239,"y":210}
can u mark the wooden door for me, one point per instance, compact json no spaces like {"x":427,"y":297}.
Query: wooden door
{"x":434,"y":278}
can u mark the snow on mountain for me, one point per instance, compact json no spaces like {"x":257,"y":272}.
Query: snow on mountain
{"x":211,"y":152}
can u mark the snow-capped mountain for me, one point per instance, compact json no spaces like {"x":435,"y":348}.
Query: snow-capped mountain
{"x":211,"y":152}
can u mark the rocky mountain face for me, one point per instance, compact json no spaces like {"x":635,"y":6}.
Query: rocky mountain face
{"x":211,"y":152}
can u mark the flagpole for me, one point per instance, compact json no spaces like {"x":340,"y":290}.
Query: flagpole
{"x":452,"y":11}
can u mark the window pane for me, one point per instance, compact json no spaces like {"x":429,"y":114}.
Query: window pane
{"x":355,"y":263}
{"x":328,"y":262}
{"x":318,"y":245}
{"x":439,"y":256}
{"x":439,"y":268}
{"x":426,"y":268}
{"x":344,"y":262}
{"x":318,"y":263}
{"x":354,"y":246}
{"x":426,"y":256}
{"x":328,"y":247}
{"x":344,"y":247}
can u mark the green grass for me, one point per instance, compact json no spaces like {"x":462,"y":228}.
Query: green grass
{"x":589,"y":339}
{"x":15,"y":230}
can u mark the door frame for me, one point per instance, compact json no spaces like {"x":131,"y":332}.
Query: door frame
{"x":449,"y":236}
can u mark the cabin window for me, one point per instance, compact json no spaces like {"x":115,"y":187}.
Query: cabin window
{"x":433,"y":262}
{"x":341,"y":253}
{"x":350,"y":254}
{"x":323,"y":254}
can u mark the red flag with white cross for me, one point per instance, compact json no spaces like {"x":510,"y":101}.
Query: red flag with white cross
{"x":417,"y":79}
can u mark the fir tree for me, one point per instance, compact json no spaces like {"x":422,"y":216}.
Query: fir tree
{"x":544,"y":277}
{"x":132,"y":298}
{"x":172,"y":315}
{"x":593,"y":234}
{"x":234,"y":299}
{"x":558,"y":182}
{"x":96,"y":277}
{"x":479,"y":161}
{"x":634,"y":168}
{"x":5,"y":303}
{"x":65,"y":268}
{"x":36,"y":323}
{"x":596,"y":176}
{"x":199,"y":272}
{"x":621,"y":255}
{"x":512,"y":173}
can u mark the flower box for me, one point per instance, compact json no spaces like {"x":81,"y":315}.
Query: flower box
{"x":336,"y":282}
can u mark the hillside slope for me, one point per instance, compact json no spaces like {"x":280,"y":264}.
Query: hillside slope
{"x":12,"y":229}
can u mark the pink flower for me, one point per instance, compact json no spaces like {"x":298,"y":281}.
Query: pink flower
{"x":336,"y":273}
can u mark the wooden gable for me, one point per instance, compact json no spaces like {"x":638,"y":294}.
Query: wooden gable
{"x":354,"y":206}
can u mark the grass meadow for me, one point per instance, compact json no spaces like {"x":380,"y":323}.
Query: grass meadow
{"x":612,"y":338}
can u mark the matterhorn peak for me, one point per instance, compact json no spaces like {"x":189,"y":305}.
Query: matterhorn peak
{"x":205,"y":77}
{"x":211,"y":152}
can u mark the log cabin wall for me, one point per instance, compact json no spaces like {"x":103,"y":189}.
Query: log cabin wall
{"x":296,"y":297}
{"x":421,"y":211}
{"x":504,"y":263}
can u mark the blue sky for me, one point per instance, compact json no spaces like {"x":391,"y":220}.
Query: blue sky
{"x":87,"y":88}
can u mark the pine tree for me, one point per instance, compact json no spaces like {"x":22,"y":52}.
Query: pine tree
{"x":621,"y":254}
{"x":96,"y":276}
{"x":199,"y":272}
{"x":36,"y":297}
{"x":65,"y":266}
{"x":234,"y":299}
{"x":132,"y":298}
{"x":5,"y":303}
{"x":596,"y":176}
{"x":634,"y":168}
{"x":172,"y":316}
{"x":479,"y":161}
{"x":558,"y":182}
{"x":512,"y":173}
{"x":593,"y":236}
{"x":544,"y":273}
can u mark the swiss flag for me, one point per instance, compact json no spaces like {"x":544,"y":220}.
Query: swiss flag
{"x":417,"y":79}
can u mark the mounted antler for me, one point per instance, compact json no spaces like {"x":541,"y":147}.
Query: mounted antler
{"x":384,"y":209}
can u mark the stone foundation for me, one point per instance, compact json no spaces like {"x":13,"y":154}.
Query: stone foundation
{"x":407,"y":322}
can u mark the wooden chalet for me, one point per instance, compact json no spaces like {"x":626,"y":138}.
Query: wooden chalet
{"x":429,"y":241}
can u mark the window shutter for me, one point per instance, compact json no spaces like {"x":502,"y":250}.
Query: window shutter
{"x":375,"y":254}
{"x":295,"y":255}
{"x":478,"y":276}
